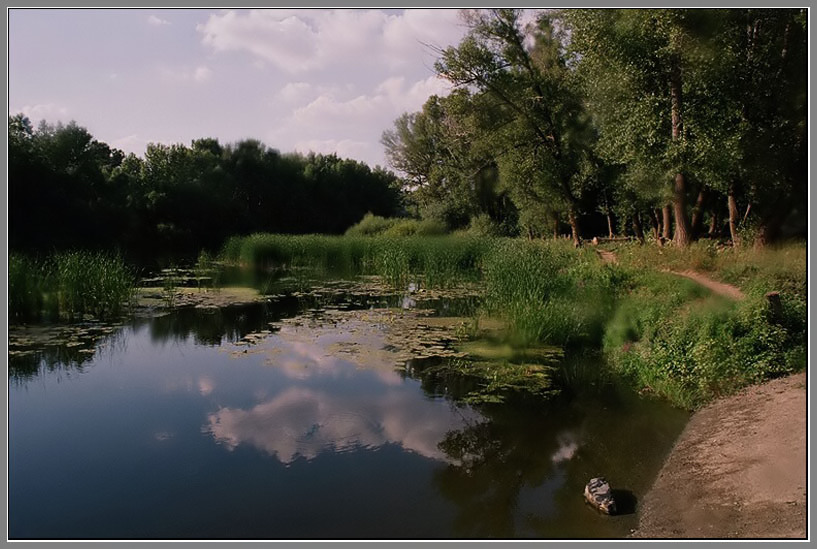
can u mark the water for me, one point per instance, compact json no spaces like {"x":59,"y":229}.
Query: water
{"x":171,"y":430}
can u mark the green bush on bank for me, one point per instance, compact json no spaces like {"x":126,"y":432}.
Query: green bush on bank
{"x":374,"y":225}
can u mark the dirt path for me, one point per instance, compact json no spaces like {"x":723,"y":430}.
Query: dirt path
{"x":739,"y":469}
{"x":721,"y":288}
{"x":726,"y":290}
{"x":607,"y":257}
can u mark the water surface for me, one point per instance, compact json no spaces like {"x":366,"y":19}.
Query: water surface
{"x":184,"y":427}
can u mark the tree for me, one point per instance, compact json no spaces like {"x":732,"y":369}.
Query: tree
{"x":541,"y":132}
{"x":704,"y":100}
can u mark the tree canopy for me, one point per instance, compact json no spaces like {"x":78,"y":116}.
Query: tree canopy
{"x":68,"y":190}
{"x":661,"y":114}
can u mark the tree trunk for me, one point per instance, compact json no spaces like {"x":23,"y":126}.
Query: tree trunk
{"x":555,"y":228}
{"x":682,"y":235}
{"x":666,"y":224}
{"x":656,"y":224}
{"x":714,"y":224}
{"x":574,"y":226}
{"x":609,"y":224}
{"x":682,"y":229}
{"x":698,"y":213}
{"x":732,"y":204}
{"x":639,"y":232}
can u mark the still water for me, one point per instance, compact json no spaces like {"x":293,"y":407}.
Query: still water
{"x":183,"y":427}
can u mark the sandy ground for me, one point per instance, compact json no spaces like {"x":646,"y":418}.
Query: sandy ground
{"x":739,"y":469}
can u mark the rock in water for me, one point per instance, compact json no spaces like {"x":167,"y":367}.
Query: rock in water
{"x":599,"y":494}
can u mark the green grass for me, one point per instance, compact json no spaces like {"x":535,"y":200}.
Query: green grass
{"x":68,"y":285}
{"x":433,"y":261}
{"x":374,"y":225}
{"x":674,"y":338}
{"x":549,"y":292}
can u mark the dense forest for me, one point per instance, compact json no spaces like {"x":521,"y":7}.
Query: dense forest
{"x":663,"y":124}
{"x":68,"y":190}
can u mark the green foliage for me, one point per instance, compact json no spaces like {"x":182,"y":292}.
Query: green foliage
{"x":69,"y":285}
{"x":373,"y":225}
{"x":67,"y":190}
{"x":549,"y":292}
{"x":671,"y":336}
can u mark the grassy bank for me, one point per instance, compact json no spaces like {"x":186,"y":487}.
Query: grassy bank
{"x":676,"y":339}
{"x":68,"y":285}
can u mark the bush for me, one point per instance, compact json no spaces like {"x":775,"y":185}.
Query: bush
{"x":371,"y":225}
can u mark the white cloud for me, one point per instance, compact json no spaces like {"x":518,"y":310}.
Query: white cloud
{"x":295,"y":92}
{"x":286,"y":41}
{"x":50,"y":112}
{"x":351,"y":126}
{"x":356,"y":70}
{"x":157,"y":22}
{"x":202,"y":73}
{"x":299,"y":41}
{"x":304,"y":423}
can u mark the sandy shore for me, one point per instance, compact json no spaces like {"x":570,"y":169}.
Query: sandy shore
{"x":739,"y":469}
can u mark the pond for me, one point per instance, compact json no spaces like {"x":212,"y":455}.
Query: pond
{"x":302,"y":417}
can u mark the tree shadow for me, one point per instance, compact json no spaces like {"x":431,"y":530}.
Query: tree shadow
{"x":625,"y":502}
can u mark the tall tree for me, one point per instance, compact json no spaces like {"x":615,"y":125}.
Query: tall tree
{"x":540,"y":144}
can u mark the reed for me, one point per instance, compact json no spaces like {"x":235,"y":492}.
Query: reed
{"x":434,"y":261}
{"x":68,"y":285}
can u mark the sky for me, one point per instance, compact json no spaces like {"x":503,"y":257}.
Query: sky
{"x":297,"y":80}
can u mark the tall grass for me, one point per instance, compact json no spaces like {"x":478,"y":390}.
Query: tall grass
{"x":549,"y":292}
{"x":434,"y":261}
{"x":68,"y":285}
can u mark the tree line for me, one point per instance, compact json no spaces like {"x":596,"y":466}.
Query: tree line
{"x":691,"y":122}
{"x":68,"y":190}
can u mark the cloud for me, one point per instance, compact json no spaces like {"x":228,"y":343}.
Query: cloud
{"x":351,"y":126}
{"x":202,"y":73}
{"x":304,"y":423}
{"x":156,"y":21}
{"x":50,"y":112}
{"x":298,"y":41}
{"x":353,"y":72}
{"x":295,"y":91}
{"x":286,"y":41}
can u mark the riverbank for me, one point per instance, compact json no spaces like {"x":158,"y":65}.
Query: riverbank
{"x":739,"y":469}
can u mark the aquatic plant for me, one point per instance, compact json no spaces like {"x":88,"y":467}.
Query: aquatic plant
{"x":68,"y":285}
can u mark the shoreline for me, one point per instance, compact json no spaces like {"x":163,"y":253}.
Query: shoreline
{"x":738,"y":470}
